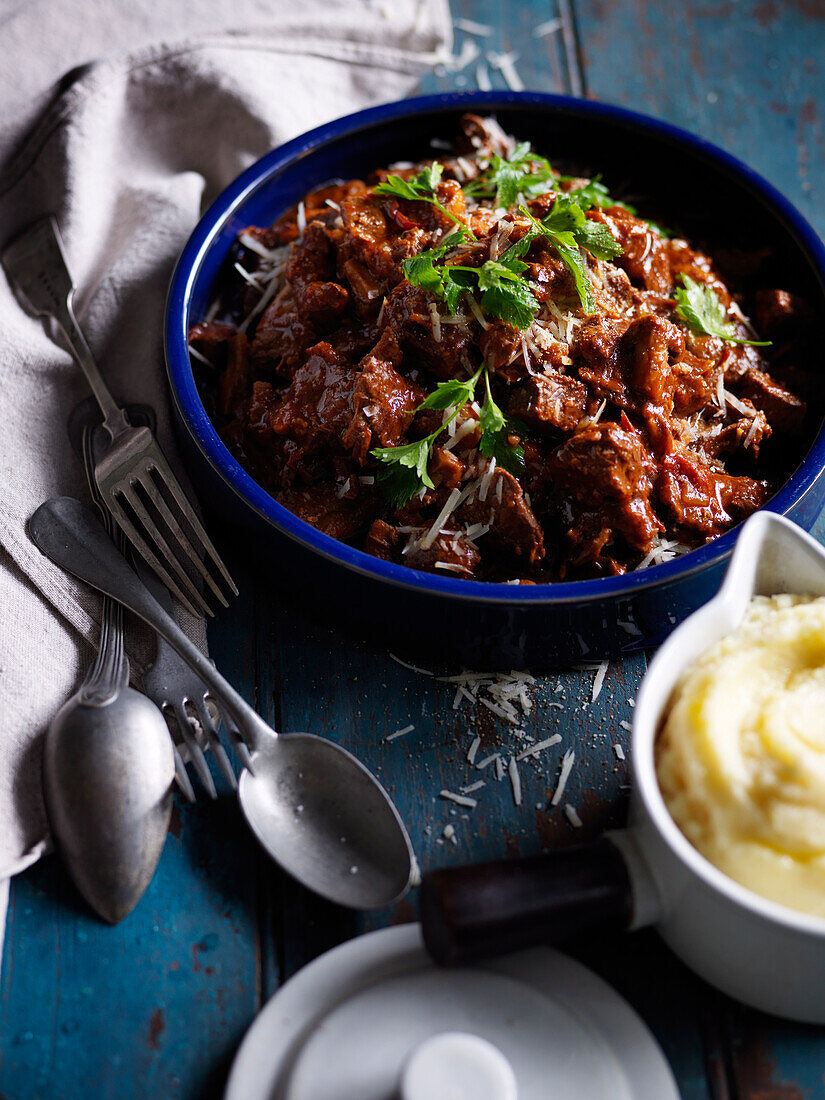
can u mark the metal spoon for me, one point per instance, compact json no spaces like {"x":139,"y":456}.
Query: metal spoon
{"x":315,"y":808}
{"x":107,"y":773}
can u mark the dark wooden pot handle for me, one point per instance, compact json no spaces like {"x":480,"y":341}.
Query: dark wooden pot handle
{"x":485,"y":909}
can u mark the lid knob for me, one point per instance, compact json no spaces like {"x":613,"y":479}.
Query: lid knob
{"x":457,"y":1066}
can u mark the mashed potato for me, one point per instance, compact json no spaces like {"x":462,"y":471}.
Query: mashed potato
{"x":741,"y":758}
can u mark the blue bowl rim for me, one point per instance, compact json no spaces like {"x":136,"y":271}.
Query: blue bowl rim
{"x":205,"y":436}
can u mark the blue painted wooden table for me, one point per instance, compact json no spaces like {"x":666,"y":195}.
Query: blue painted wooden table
{"x":156,"y":1006}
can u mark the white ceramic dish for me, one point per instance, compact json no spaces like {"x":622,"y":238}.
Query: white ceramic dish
{"x":762,"y":953}
{"x":346,"y":1025}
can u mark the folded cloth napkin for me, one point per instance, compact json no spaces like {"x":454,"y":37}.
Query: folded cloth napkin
{"x":127,"y":151}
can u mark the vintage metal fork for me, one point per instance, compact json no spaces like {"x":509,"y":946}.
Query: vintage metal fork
{"x":134,"y":478}
{"x":181,"y":694}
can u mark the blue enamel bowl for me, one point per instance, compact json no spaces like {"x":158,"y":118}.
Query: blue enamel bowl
{"x":470,"y":622}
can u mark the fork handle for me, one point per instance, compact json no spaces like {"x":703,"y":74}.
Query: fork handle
{"x":70,"y":534}
{"x":114,"y":418}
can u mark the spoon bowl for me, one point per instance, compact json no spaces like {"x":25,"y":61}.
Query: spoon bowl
{"x":107,"y":778}
{"x":325,"y":819}
{"x":339,"y":796}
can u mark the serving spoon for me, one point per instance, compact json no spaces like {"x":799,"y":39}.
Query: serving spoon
{"x":316,"y":809}
{"x":107,"y":772}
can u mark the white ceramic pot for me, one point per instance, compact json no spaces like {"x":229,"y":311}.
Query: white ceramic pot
{"x":764,"y":954}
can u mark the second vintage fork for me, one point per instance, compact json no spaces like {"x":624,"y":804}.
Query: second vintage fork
{"x":133,"y":476}
{"x":180,"y":693}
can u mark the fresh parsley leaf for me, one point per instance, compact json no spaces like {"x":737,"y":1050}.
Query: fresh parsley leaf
{"x":402,"y":471}
{"x":700,"y":307}
{"x":513,"y":302}
{"x":400,"y":189}
{"x":420,"y":188}
{"x":565,"y":217}
{"x":522,"y":246}
{"x":494,"y":273}
{"x":451,"y":394}
{"x":431,"y":177}
{"x":522,"y":173}
{"x":598,"y":240}
{"x":421,"y":271}
{"x":491,"y":418}
{"x":564,"y":241}
{"x":495,"y":434}
{"x":504,"y":293}
{"x":581,"y":280}
{"x":593,"y":193}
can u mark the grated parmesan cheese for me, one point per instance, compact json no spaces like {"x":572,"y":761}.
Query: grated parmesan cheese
{"x":469,"y":26}
{"x":572,"y":816}
{"x":459,"y":799}
{"x":549,"y":27}
{"x":473,"y":787}
{"x":567,"y":762}
{"x":601,"y":672}
{"x":506,"y":65}
{"x":399,"y":733}
{"x":515,"y":780}
{"x":534,"y":750}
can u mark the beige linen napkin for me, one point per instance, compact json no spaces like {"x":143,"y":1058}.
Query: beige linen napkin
{"x":126,"y":152}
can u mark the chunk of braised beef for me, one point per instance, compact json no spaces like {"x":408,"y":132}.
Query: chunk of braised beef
{"x":210,"y":339}
{"x":500,"y":345}
{"x":281,"y":338}
{"x":484,"y":136}
{"x":383,"y":540}
{"x":604,"y":468}
{"x":514,"y":529}
{"x":778,"y":311}
{"x":599,"y":359}
{"x":745,"y":435}
{"x":339,"y":517}
{"x":317,"y":407}
{"x":703,"y":500}
{"x":644,"y":253}
{"x":408,"y":311}
{"x":383,"y":402}
{"x":655,"y":345}
{"x":549,"y":401}
{"x":320,"y":300}
{"x":549,"y":278}
{"x":235,"y":383}
{"x":784,"y":410}
{"x":449,"y":548}
{"x":366,"y":289}
{"x":380,"y":246}
{"x":285,"y":230}
{"x":445,"y":468}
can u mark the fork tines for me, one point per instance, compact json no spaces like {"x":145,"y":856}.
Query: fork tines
{"x":144,"y":496}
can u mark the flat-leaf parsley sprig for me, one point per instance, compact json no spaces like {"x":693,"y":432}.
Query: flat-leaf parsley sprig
{"x":403,"y":472}
{"x":567,"y":228}
{"x":522,"y":173}
{"x":421,"y":188}
{"x":701,"y":308}
{"x":504,"y":293}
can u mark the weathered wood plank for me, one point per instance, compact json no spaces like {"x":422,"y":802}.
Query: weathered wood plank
{"x":749,"y":75}
{"x":156,"y":1005}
